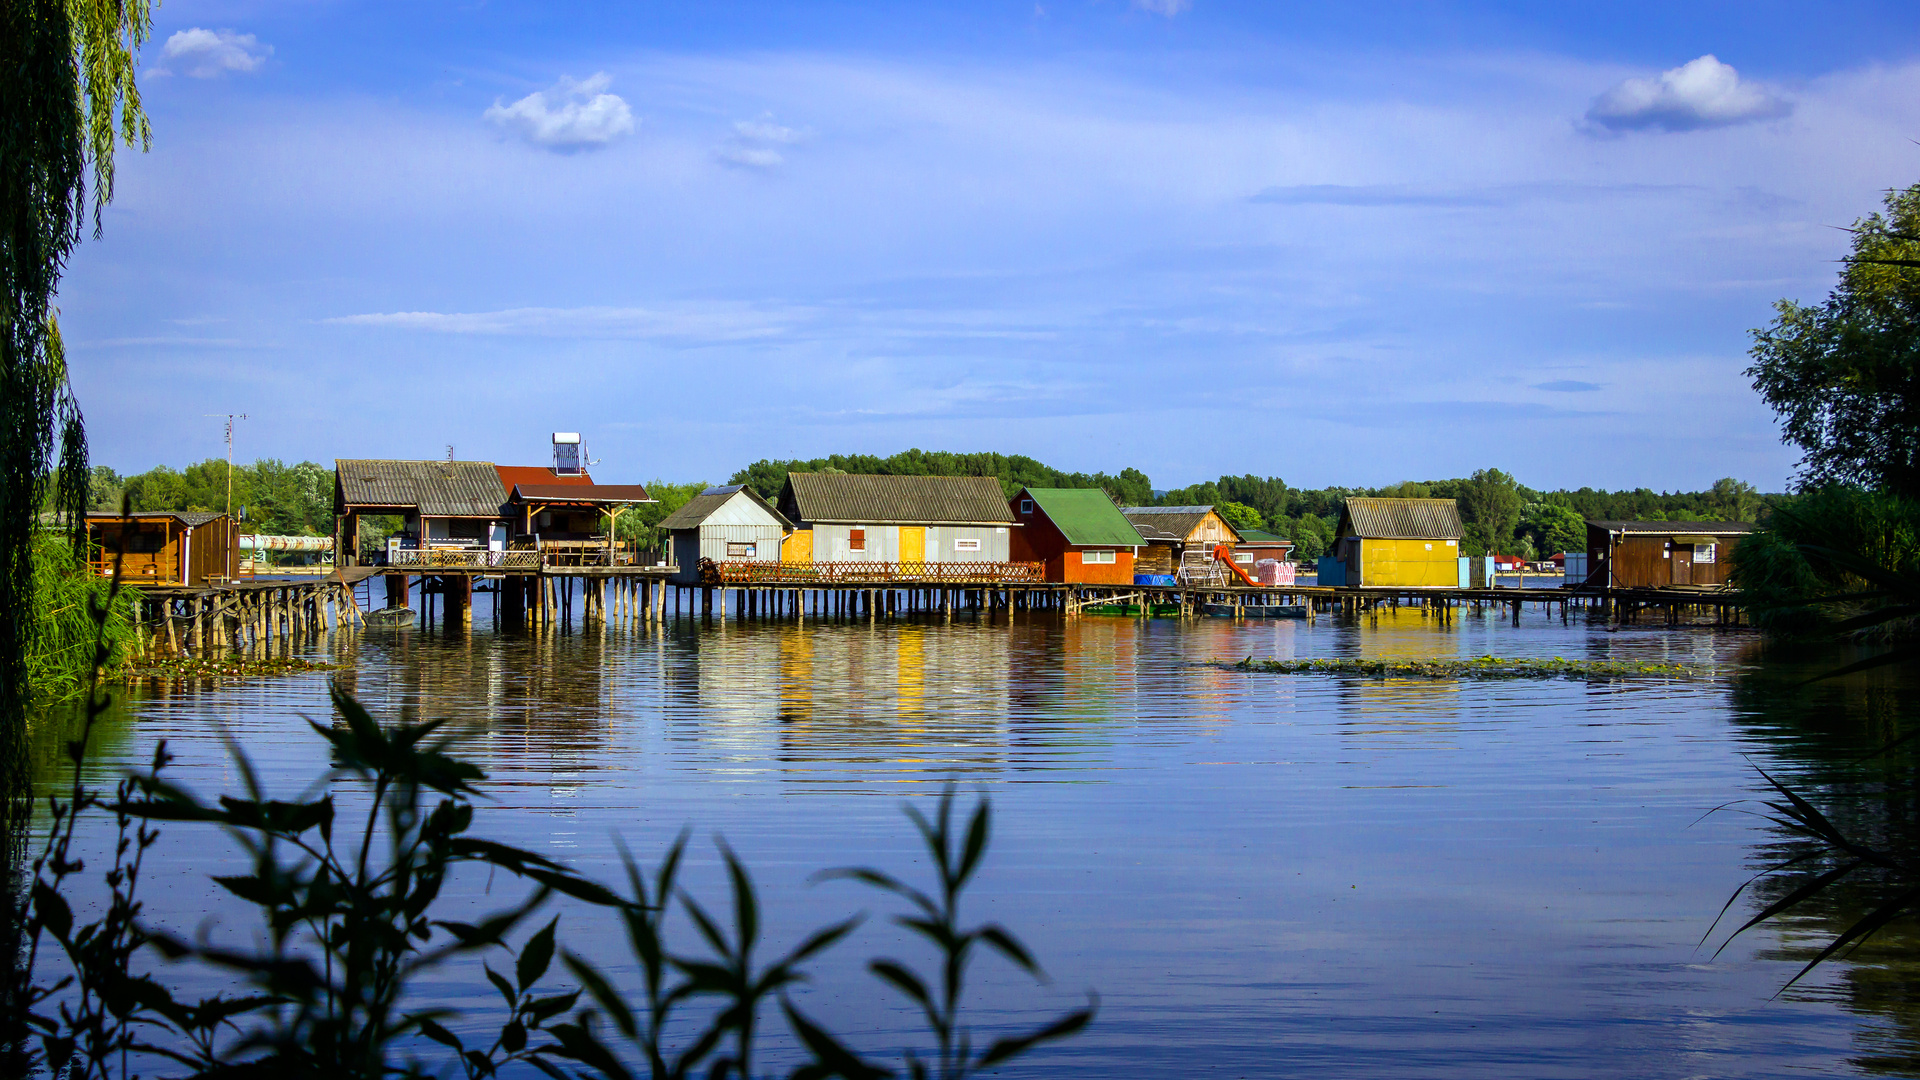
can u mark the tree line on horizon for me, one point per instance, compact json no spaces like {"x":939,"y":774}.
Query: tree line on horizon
{"x":1501,"y":514}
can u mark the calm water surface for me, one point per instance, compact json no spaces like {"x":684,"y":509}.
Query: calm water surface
{"x":1261,"y":875}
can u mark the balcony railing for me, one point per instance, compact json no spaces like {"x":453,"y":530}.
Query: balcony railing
{"x":463,"y":559}
{"x":561,"y":553}
{"x":879,"y":573}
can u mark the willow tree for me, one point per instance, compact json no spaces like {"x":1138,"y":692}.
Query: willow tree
{"x":67,"y":97}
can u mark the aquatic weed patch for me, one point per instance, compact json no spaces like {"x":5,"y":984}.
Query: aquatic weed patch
{"x":1481,"y":667}
{"x":213,"y":668}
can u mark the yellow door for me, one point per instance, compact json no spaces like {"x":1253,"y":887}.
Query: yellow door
{"x":797,"y":547}
{"x":913,"y":543}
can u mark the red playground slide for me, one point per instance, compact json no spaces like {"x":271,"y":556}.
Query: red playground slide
{"x":1225,"y":555}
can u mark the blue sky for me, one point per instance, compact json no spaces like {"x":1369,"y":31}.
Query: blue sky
{"x":1193,"y":238}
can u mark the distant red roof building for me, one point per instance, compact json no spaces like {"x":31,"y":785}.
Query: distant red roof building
{"x":511,"y":476}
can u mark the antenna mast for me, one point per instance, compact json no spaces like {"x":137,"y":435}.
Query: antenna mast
{"x":231,"y":417}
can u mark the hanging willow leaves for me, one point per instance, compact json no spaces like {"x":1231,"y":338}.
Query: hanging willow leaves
{"x":67,"y":96}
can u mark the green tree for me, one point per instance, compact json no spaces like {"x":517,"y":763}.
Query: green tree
{"x":1553,"y":528}
{"x":1240,"y":515}
{"x":1844,"y":375}
{"x":1312,"y":535}
{"x":1490,"y":499}
{"x":1734,"y":499}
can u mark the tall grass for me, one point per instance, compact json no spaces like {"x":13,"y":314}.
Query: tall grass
{"x":77,"y":614}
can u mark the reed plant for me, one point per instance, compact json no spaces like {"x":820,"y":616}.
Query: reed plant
{"x":72,"y":642}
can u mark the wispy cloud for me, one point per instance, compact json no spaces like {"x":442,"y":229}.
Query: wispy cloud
{"x":571,"y":115}
{"x":1492,"y":195}
{"x":1701,"y":93}
{"x":1169,"y":8}
{"x":756,"y":144}
{"x":713,"y":323}
{"x":208,"y":54}
{"x":1567,"y":386}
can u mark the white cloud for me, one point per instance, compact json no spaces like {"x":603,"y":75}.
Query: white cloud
{"x":1169,"y":8}
{"x":570,"y":116}
{"x":206,"y":54}
{"x":1702,"y":93}
{"x":754,"y":142}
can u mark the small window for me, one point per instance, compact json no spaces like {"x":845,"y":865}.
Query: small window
{"x":1026,"y":506}
{"x":1243,"y":557}
{"x":1096,"y":556}
{"x":1453,"y":543}
{"x":856,"y":539}
{"x":966,"y":545}
{"x":1704,"y":553}
{"x":737,"y":550}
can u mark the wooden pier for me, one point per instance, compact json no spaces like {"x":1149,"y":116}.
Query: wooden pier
{"x":253,"y":617}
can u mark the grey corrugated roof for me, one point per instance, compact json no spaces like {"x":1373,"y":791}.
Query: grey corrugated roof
{"x":702,"y":506}
{"x":1672,"y":528}
{"x":1416,"y":519}
{"x":434,"y":488}
{"x":192,"y":519}
{"x":858,"y":499}
{"x":1170,"y":523}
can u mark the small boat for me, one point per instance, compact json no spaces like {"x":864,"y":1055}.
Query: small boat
{"x":1130,"y":609}
{"x":1257,"y":611}
{"x":391,"y":616}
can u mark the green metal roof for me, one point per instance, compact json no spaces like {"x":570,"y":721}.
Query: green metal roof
{"x":1086,"y":516}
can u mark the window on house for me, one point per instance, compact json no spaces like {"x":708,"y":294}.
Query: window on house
{"x":738,"y":550}
{"x":966,"y":545}
{"x":856,"y":539}
{"x":1096,"y":556}
{"x":1026,"y":506}
{"x":1703,"y":553}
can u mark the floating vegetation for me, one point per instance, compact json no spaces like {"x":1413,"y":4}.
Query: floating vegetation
{"x":1483,"y":667}
{"x":212,"y":668}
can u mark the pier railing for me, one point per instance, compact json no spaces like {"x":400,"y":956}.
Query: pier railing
{"x":463,"y":559}
{"x":879,"y":573}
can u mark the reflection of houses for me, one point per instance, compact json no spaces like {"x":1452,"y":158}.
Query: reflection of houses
{"x":452,"y":504}
{"x":1398,"y":542}
{"x":1171,"y":531}
{"x":1078,"y":533}
{"x":1643,"y":554}
{"x":846,"y":517}
{"x":165,"y":547}
{"x":724,"y":524}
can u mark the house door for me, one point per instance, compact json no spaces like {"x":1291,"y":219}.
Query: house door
{"x":913,"y":543}
{"x":1683,"y":564}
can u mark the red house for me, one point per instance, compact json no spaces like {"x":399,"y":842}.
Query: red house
{"x":1078,"y":533}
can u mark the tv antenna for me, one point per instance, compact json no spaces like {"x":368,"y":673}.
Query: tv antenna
{"x":231,"y":417}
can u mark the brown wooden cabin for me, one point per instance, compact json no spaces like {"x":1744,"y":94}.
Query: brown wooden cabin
{"x":1170,"y":530}
{"x":165,"y":547}
{"x":1078,"y":533}
{"x":1258,"y":544}
{"x":441,"y":503}
{"x":1656,"y":554}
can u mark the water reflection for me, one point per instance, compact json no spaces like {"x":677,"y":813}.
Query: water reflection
{"x":1388,"y":877}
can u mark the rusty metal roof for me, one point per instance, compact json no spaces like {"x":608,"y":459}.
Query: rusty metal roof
{"x":895,"y":500}
{"x":433,"y":488}
{"x":511,"y":475}
{"x":581,"y":493}
{"x":1678,"y":528}
{"x":192,"y":519}
{"x":702,"y":506}
{"x":1411,"y":519}
{"x":1171,"y":524}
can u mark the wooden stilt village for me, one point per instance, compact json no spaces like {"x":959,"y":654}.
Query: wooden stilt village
{"x":543,"y":540}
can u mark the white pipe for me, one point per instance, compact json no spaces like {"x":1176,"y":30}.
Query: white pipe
{"x":252,"y":542}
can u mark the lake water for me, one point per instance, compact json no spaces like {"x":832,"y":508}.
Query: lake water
{"x":1261,"y":875}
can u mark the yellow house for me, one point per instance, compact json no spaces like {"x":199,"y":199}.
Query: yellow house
{"x":1400,"y":542}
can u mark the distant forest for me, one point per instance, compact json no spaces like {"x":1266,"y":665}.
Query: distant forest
{"x":1501,"y":514}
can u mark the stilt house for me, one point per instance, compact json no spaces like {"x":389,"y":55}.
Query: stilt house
{"x":1655,"y":554}
{"x":848,"y":517}
{"x":457,"y":504}
{"x":1170,"y":531}
{"x":1399,"y":542}
{"x":165,"y":547}
{"x":1078,"y":533}
{"x":731,"y":523}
